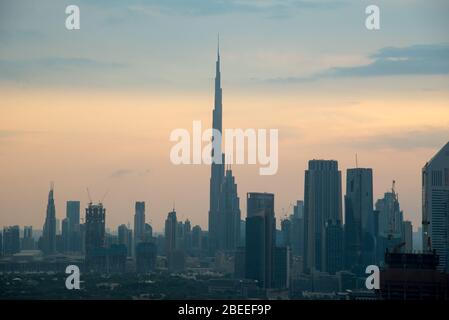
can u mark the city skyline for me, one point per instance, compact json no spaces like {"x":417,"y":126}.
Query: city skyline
{"x":331,"y":100}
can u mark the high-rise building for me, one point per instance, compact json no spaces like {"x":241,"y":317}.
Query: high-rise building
{"x":389,"y":225}
{"x":435,"y":206}
{"x":407,"y":236}
{"x":28,"y":240}
{"x":413,"y":276}
{"x":139,"y":223}
{"x":390,"y":215}
{"x":196,"y":245}
{"x":286,"y":233}
{"x":359,"y":219}
{"x":171,"y":228}
{"x":95,"y":234}
{"x":229,"y":214}
{"x":65,"y":235}
{"x":146,"y":254}
{"x":11,"y":240}
{"x":297,"y":229}
{"x":187,"y":233}
{"x":49,"y":229}
{"x":322,"y":202}
{"x":173,"y":248}
{"x":281,"y":267}
{"x":125,"y":238}
{"x":417,"y":240}
{"x":260,"y":238}
{"x":74,"y":232}
{"x":217,"y":165}
{"x":333,"y":240}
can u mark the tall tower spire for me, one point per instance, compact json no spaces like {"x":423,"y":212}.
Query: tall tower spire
{"x":217,"y":166}
{"x":218,"y":46}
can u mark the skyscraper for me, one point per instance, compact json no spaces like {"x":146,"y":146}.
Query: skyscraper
{"x":74,"y":233}
{"x":390,"y":225}
{"x":297,"y":229}
{"x":65,"y":235}
{"x":435,"y":206}
{"x":11,"y":240}
{"x":171,"y":228}
{"x":229,"y":214}
{"x":217,"y":167}
{"x":359,"y":221}
{"x":407,"y":236}
{"x":125,"y":238}
{"x":28,"y":240}
{"x":175,"y":256}
{"x":322,"y":203}
{"x":260,"y":238}
{"x":390,"y":215}
{"x":49,"y":229}
{"x":333,"y":239}
{"x":139,"y":223}
{"x":94,"y":233}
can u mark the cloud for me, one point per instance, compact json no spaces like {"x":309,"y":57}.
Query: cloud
{"x":220,"y":7}
{"x":429,"y":137}
{"x":58,"y":70}
{"x":423,"y":59}
{"x":121,"y":173}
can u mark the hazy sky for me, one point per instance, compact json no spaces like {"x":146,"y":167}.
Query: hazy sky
{"x":95,"y":107}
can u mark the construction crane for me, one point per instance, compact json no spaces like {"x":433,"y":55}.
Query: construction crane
{"x":101,"y":200}
{"x":285,"y":212}
{"x":88,"y":196}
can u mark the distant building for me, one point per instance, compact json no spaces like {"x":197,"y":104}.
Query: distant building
{"x":297,"y":229}
{"x":11,"y":240}
{"x":176,"y":261}
{"x":196,"y":239}
{"x":286,"y":233}
{"x":239,"y":263}
{"x":407,"y":236}
{"x":359,"y":219}
{"x":116,"y":258}
{"x":417,"y":240}
{"x":175,"y":256}
{"x":125,"y":238}
{"x":65,"y":235}
{"x":390,"y":215}
{"x":171,"y":230}
{"x":49,"y":229}
{"x":95,"y":236}
{"x":281,"y":267}
{"x":409,"y":276}
{"x":74,"y":233}
{"x":28,"y":242}
{"x":322,"y":202}
{"x":146,"y":254}
{"x":435,"y":210}
{"x":260,"y":238}
{"x":139,"y":222}
{"x":187,"y":236}
{"x":334,"y":248}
